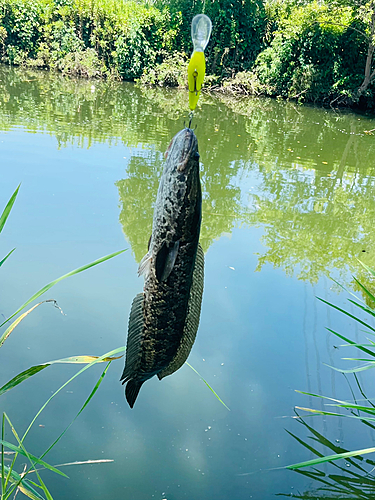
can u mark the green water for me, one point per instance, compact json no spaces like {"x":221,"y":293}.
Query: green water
{"x":288,"y":202}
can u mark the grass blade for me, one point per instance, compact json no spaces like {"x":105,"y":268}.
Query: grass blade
{"x":329,"y":458}
{"x":347,"y":314}
{"x":98,"y":360}
{"x":21,"y":377}
{"x":2,"y":459}
{"x":84,"y":360}
{"x":52,"y":283}
{"x":320,"y":412}
{"x":371,"y":271}
{"x":353,"y":370}
{"x":5,"y":258}
{"x":367,"y":292}
{"x":20,"y":449}
{"x":8,"y":208}
{"x":364,"y":308}
{"x":367,"y":351}
{"x":81,"y":410}
{"x":24,"y":486}
{"x":33,"y":459}
{"x":15,"y":323}
{"x":208,"y":385}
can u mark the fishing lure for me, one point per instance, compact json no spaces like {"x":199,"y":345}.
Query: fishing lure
{"x":201,"y":27}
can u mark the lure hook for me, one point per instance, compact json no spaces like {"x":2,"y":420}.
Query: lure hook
{"x":191,"y":114}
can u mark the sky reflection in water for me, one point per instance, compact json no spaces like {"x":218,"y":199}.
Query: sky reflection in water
{"x":288,"y":201}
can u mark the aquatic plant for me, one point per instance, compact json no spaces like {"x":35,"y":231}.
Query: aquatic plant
{"x":365,"y":411}
{"x":12,"y":481}
{"x":341,"y":481}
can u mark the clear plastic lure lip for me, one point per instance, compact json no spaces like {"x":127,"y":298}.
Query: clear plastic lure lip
{"x":201,"y":27}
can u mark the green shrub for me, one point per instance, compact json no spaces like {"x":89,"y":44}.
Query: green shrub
{"x":172,"y":72}
{"x":315,"y":54}
{"x":85,"y":63}
{"x":126,"y":36}
{"x":238,"y":29}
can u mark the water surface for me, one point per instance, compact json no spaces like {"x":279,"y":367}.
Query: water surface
{"x":287,"y":204}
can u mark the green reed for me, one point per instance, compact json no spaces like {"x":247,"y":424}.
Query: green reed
{"x":364,"y":412}
{"x":12,"y":481}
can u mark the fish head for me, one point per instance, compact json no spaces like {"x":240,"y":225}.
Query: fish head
{"x":182,"y":152}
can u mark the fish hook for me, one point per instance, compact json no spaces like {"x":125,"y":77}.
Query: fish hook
{"x":191,"y":114}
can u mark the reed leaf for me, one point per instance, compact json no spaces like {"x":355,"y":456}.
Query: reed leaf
{"x":21,"y":451}
{"x":32,"y":460}
{"x":353,"y":370}
{"x":81,"y":410}
{"x":367,"y":292}
{"x":24,"y":486}
{"x":21,"y":377}
{"x":321,"y":412}
{"x":98,"y":360}
{"x":15,"y":323}
{"x":330,"y":458}
{"x":208,"y":385}
{"x":371,"y":271}
{"x":364,"y":308}
{"x":5,"y":258}
{"x":347,"y":314}
{"x":367,"y":351}
{"x":52,"y":283}
{"x":8,"y":208}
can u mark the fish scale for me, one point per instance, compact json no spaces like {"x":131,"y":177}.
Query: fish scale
{"x":164,"y":318}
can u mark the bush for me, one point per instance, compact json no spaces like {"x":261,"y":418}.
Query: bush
{"x":237,"y":32}
{"x":85,"y":37}
{"x":315,"y":54}
{"x":85,"y":63}
{"x":172,"y":72}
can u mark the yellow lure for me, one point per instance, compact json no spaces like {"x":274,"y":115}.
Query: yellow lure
{"x":196,"y":72}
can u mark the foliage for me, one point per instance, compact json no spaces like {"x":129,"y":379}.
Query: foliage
{"x":310,"y":51}
{"x":316,"y":53}
{"x":172,"y":72}
{"x":237,"y":32}
{"x":350,"y":481}
{"x":83,"y":37}
{"x":84,"y":63}
{"x":244,"y":82}
{"x":365,"y":410}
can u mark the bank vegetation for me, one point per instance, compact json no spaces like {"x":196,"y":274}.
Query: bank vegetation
{"x":295,"y":49}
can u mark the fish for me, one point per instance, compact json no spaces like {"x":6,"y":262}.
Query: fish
{"x":164,"y":318}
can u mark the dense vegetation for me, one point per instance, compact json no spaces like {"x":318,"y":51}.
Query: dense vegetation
{"x":306,"y":50}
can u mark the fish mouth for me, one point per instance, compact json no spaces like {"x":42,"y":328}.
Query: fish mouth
{"x":184,"y":147}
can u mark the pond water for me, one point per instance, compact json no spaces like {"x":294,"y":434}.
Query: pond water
{"x":288,"y":204}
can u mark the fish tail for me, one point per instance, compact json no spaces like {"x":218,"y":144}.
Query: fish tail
{"x":132,"y":390}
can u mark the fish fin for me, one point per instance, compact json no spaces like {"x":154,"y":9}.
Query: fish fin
{"x":132,"y":390}
{"x":144,"y":265}
{"x":192,"y":318}
{"x":133,"y":345}
{"x":165,"y":260}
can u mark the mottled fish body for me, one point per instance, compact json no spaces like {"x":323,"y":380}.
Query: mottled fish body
{"x":164,"y":318}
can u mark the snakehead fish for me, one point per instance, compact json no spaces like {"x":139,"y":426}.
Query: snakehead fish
{"x":164,"y":318}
